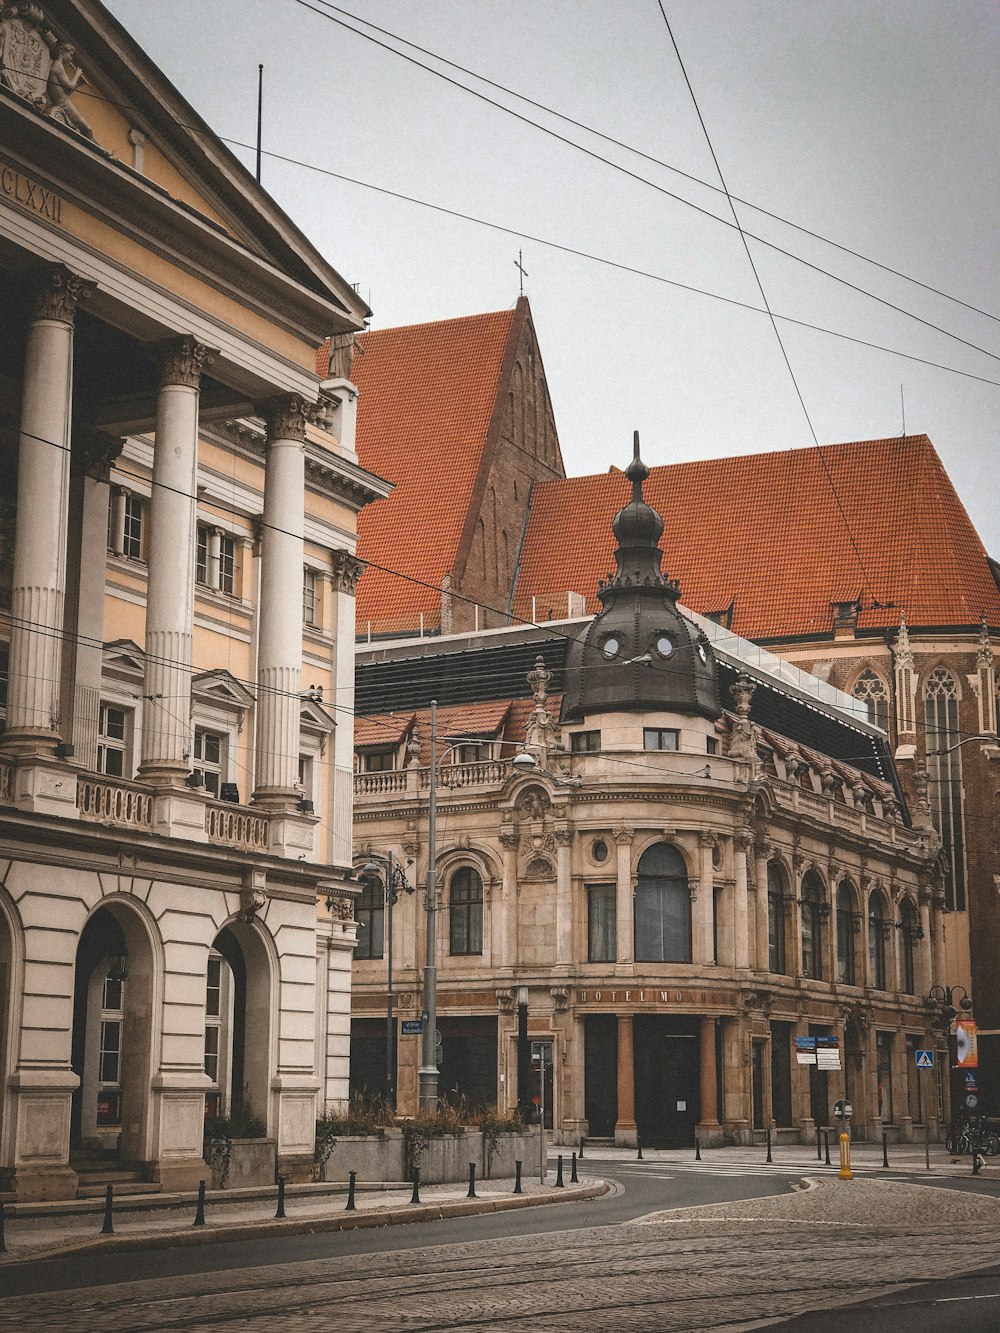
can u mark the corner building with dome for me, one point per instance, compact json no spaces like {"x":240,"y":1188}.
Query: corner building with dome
{"x":707,"y":863}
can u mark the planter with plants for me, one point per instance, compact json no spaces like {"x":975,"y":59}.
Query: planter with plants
{"x":238,"y":1151}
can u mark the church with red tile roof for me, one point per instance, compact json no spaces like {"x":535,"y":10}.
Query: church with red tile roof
{"x":856,"y":561}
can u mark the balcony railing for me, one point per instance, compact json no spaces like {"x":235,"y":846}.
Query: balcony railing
{"x":374,"y":784}
{"x":485,"y":773}
{"x":104,"y":801}
{"x":235,"y":827}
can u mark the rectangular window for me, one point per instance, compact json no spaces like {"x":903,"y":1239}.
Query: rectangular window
{"x":227,"y":565}
{"x":111,"y":1043}
{"x":659,"y":738}
{"x":212,"y":1053}
{"x":209,"y":750}
{"x":213,"y":988}
{"x":112,"y":740}
{"x":378,"y":761}
{"x":585,"y":742}
{"x":132,"y":534}
{"x":711,"y":745}
{"x":308,"y":596}
{"x":473,"y":753}
{"x":306,"y":776}
{"x":601,"y":923}
{"x":201,"y":557}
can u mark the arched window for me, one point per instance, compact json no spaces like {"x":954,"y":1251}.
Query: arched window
{"x":871,"y":690}
{"x":910,"y":931}
{"x":877,"y":931}
{"x":944,"y":772}
{"x":466,"y":903}
{"x":662,"y":907}
{"x":812,"y":905}
{"x":370,"y":913}
{"x":775,"y":918}
{"x":845,"y":935}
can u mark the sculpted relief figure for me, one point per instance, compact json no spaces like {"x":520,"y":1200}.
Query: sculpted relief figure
{"x":40,"y":66}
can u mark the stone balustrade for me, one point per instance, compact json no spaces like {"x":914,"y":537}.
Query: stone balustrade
{"x":102,"y":800}
{"x":236,"y":826}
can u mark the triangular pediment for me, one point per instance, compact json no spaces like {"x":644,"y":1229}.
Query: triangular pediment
{"x":222,"y":689}
{"x":122,"y":657}
{"x":72,"y":68}
{"x":314,"y":717}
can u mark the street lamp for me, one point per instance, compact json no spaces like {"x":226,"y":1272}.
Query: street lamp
{"x":952,"y":1001}
{"x":395,"y":880}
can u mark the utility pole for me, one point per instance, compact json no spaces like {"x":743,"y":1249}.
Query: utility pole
{"x":427,"y":1075}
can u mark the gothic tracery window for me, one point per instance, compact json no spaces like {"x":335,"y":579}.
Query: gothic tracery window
{"x":944,"y":772}
{"x":870,"y":688}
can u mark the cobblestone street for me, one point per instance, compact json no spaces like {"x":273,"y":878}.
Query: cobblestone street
{"x":733,"y":1266}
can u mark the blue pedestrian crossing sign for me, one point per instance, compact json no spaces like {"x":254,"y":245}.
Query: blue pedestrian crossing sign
{"x":925,"y":1059}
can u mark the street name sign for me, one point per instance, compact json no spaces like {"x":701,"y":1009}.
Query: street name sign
{"x":412,"y":1027}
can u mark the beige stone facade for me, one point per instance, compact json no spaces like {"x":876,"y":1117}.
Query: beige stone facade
{"x":179,"y":500}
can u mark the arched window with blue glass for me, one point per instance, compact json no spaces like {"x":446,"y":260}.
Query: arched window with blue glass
{"x":662,"y":907}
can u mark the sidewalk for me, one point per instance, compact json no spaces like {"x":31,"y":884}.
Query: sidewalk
{"x":46,"y":1230}
{"x":866,"y":1158}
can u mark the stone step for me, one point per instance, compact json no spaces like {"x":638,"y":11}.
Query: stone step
{"x":97,"y":1190}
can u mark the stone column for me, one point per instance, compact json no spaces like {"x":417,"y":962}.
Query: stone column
{"x":279,"y":659}
{"x":924,"y":961}
{"x":564,"y":898}
{"x":708,"y":1124}
{"x":166,"y":732}
{"x":761,"y":924}
{"x":742,"y":848}
{"x":625,"y":1129}
{"x":625,"y":899}
{"x":82,"y":656}
{"x":39,"y":578}
{"x":508,"y":927}
{"x":704,"y":914}
{"x":346,"y":571}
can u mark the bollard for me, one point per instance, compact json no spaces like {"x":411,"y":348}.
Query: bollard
{"x":109,"y":1227}
{"x":280,"y":1212}
{"x":885,"y":1149}
{"x":769,"y":1157}
{"x":351,"y":1182}
{"x":819,"y":1144}
{"x":199,"y":1212}
{"x":559,"y":1179}
{"x":845,"y":1172}
{"x":472,"y":1181}
{"x":826,"y":1147}
{"x":697,"y":1150}
{"x":582,"y":1142}
{"x":517,"y":1176}
{"x":415,"y":1197}
{"x":975,"y":1162}
{"x":574,"y":1179}
{"x":3,"y":1242}
{"x":638,"y":1146}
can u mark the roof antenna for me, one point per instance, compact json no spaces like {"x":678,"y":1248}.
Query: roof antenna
{"x":260,"y":112}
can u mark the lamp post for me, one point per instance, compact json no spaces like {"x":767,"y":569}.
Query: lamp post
{"x":395,"y":880}
{"x":427,"y":1074}
{"x":953,"y":1000}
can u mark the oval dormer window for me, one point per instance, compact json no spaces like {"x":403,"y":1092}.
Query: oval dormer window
{"x":611,"y":646}
{"x":664,"y":645}
{"x":702,"y":653}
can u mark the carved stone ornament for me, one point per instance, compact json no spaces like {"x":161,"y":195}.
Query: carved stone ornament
{"x":39,"y":66}
{"x":508,"y":836}
{"x":95,"y":452}
{"x":58,"y":294}
{"x":505,"y":1001}
{"x":342,"y":350}
{"x":759,"y":1000}
{"x":287,"y":416}
{"x":532,"y":804}
{"x":743,"y":690}
{"x":903,"y":652}
{"x":182,"y":361}
{"x":253,"y":895}
{"x":340,"y":906}
{"x":623,"y":836}
{"x":984,"y":656}
{"x":560,"y":994}
{"x":538,"y":679}
{"x":347,"y":570}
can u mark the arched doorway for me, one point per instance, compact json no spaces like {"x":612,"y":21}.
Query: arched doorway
{"x":112,"y":1036}
{"x":238,"y":1025}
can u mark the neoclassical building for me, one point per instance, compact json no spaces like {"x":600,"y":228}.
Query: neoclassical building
{"x":709,"y":865}
{"x":179,"y":495}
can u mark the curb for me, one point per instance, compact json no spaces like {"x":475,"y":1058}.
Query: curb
{"x":215,"y":1234}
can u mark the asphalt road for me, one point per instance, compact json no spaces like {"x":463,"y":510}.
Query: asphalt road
{"x":640,"y":1189}
{"x":967,"y":1304}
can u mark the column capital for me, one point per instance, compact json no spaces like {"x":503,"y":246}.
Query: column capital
{"x":181,"y":362}
{"x":58,"y":293}
{"x":94,"y":453}
{"x":287,"y":416}
{"x":623,"y":836}
{"x":347,"y":570}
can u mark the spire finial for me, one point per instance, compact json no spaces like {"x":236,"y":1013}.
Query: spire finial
{"x":637,"y":471}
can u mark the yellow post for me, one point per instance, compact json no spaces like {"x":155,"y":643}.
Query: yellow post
{"x":845,"y":1172}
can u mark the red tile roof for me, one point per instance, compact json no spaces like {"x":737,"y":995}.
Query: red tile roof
{"x":765,"y":532}
{"x":427,"y":396}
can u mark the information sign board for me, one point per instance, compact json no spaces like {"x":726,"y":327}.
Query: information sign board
{"x":412,"y":1027}
{"x":966,"y":1046}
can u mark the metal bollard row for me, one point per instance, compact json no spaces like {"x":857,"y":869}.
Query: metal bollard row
{"x":517,"y":1177}
{"x":472,"y":1182}
{"x":573,"y":1177}
{"x":199,"y":1212}
{"x":352,"y":1181}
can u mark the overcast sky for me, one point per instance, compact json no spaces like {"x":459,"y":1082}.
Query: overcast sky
{"x":871,"y":122}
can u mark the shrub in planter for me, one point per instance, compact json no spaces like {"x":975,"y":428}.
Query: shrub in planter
{"x":221,"y":1132}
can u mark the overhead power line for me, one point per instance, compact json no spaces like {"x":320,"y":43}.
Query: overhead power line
{"x":642,"y":180}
